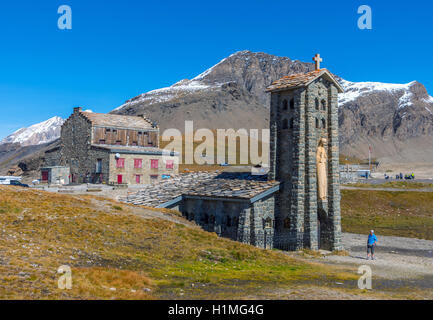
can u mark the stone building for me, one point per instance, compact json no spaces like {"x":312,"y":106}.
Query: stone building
{"x":239,"y":206}
{"x":298,"y":204}
{"x":111,"y":149}
{"x":304,"y":114}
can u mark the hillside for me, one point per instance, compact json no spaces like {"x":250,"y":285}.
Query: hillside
{"x":25,"y":160}
{"x":40,"y":133}
{"x":123,"y":252}
{"x":395,"y":119}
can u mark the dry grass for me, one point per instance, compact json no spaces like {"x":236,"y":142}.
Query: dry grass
{"x":116,"y":254}
{"x":407,"y":184}
{"x":408,"y":214}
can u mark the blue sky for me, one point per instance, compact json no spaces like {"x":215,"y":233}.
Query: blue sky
{"x":119,"y":49}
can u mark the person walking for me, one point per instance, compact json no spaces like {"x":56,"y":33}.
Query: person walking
{"x":371,"y":244}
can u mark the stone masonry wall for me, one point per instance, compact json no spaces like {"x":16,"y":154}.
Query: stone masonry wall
{"x":303,"y":221}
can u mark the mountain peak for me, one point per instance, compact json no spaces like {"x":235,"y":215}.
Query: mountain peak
{"x":40,"y":133}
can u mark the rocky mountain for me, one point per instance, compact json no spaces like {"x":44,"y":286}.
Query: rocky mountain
{"x":37,"y":134}
{"x":395,"y":119}
{"x":228,"y":95}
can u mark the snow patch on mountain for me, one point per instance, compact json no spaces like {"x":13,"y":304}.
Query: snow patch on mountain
{"x":37,"y":134}
{"x":354,"y":90}
{"x":177,"y":90}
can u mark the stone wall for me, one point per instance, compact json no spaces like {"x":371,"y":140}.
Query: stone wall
{"x":75,"y":140}
{"x":299,"y":118}
{"x":234,"y":219}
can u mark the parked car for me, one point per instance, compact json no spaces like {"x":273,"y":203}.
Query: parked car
{"x":18,"y":184}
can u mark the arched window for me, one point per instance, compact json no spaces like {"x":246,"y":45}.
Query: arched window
{"x":323,"y":123}
{"x":229,"y":221}
{"x":206,"y":219}
{"x":268,"y":223}
{"x":285,"y":124}
{"x":292,"y":104}
{"x":317,"y":104}
{"x":317,"y":123}
{"x":285,"y":104}
{"x":323,"y":105}
{"x":292,"y":123}
{"x":287,"y":223}
{"x":235,"y":221}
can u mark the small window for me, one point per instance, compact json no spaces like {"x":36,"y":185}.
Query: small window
{"x":169,"y":164}
{"x":287,"y":223}
{"x":114,"y":131}
{"x":107,"y":130}
{"x":154,"y":164}
{"x":154,"y":177}
{"x":323,"y":105}
{"x":118,"y":142}
{"x":138,"y":179}
{"x":102,"y":141}
{"x":138,"y":163}
{"x":134,"y":143}
{"x":292,"y":123}
{"x":285,"y":124}
{"x":140,"y":133}
{"x":285,"y":105}
{"x":317,"y":123}
{"x":323,"y":123}
{"x":317,"y":104}
{"x":206,"y":219}
{"x":229,"y":221}
{"x":292,"y":104}
{"x":268,"y":223}
{"x":120,"y":163}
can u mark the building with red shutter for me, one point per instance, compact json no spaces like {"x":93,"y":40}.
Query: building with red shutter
{"x":111,"y":149}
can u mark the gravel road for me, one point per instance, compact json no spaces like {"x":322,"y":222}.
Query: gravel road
{"x":400,"y":262}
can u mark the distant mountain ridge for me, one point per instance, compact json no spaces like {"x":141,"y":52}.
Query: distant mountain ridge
{"x":40,"y":133}
{"x":395,"y":119}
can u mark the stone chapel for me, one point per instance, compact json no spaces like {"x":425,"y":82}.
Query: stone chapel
{"x":297,"y":205}
{"x":304,"y":158}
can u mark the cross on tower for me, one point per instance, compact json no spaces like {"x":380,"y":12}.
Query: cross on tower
{"x":317,"y":59}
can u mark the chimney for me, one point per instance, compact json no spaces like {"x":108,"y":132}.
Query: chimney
{"x":77,"y":109}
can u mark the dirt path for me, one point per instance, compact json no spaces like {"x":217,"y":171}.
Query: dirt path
{"x":400,"y":262}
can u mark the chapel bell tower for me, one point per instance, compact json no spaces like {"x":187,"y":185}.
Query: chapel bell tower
{"x":304,"y":157}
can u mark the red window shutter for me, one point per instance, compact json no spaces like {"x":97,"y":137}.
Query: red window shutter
{"x":154,"y":164}
{"x":120,"y":163}
{"x":44,"y":175}
{"x":119,"y":179}
{"x":169,"y":164}
{"x":138,"y":163}
{"x":138,"y":179}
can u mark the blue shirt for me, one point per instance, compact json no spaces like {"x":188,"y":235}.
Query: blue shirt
{"x":371,"y":239}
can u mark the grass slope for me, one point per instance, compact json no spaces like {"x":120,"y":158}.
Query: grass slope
{"x":115,"y":253}
{"x":404,"y":214}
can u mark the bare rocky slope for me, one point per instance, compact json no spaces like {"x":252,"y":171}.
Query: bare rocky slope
{"x":40,"y":133}
{"x":395,"y":119}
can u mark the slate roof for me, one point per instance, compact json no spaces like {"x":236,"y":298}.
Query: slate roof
{"x":242,"y":186}
{"x":119,"y":121}
{"x":301,"y":80}
{"x":132,"y":149}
